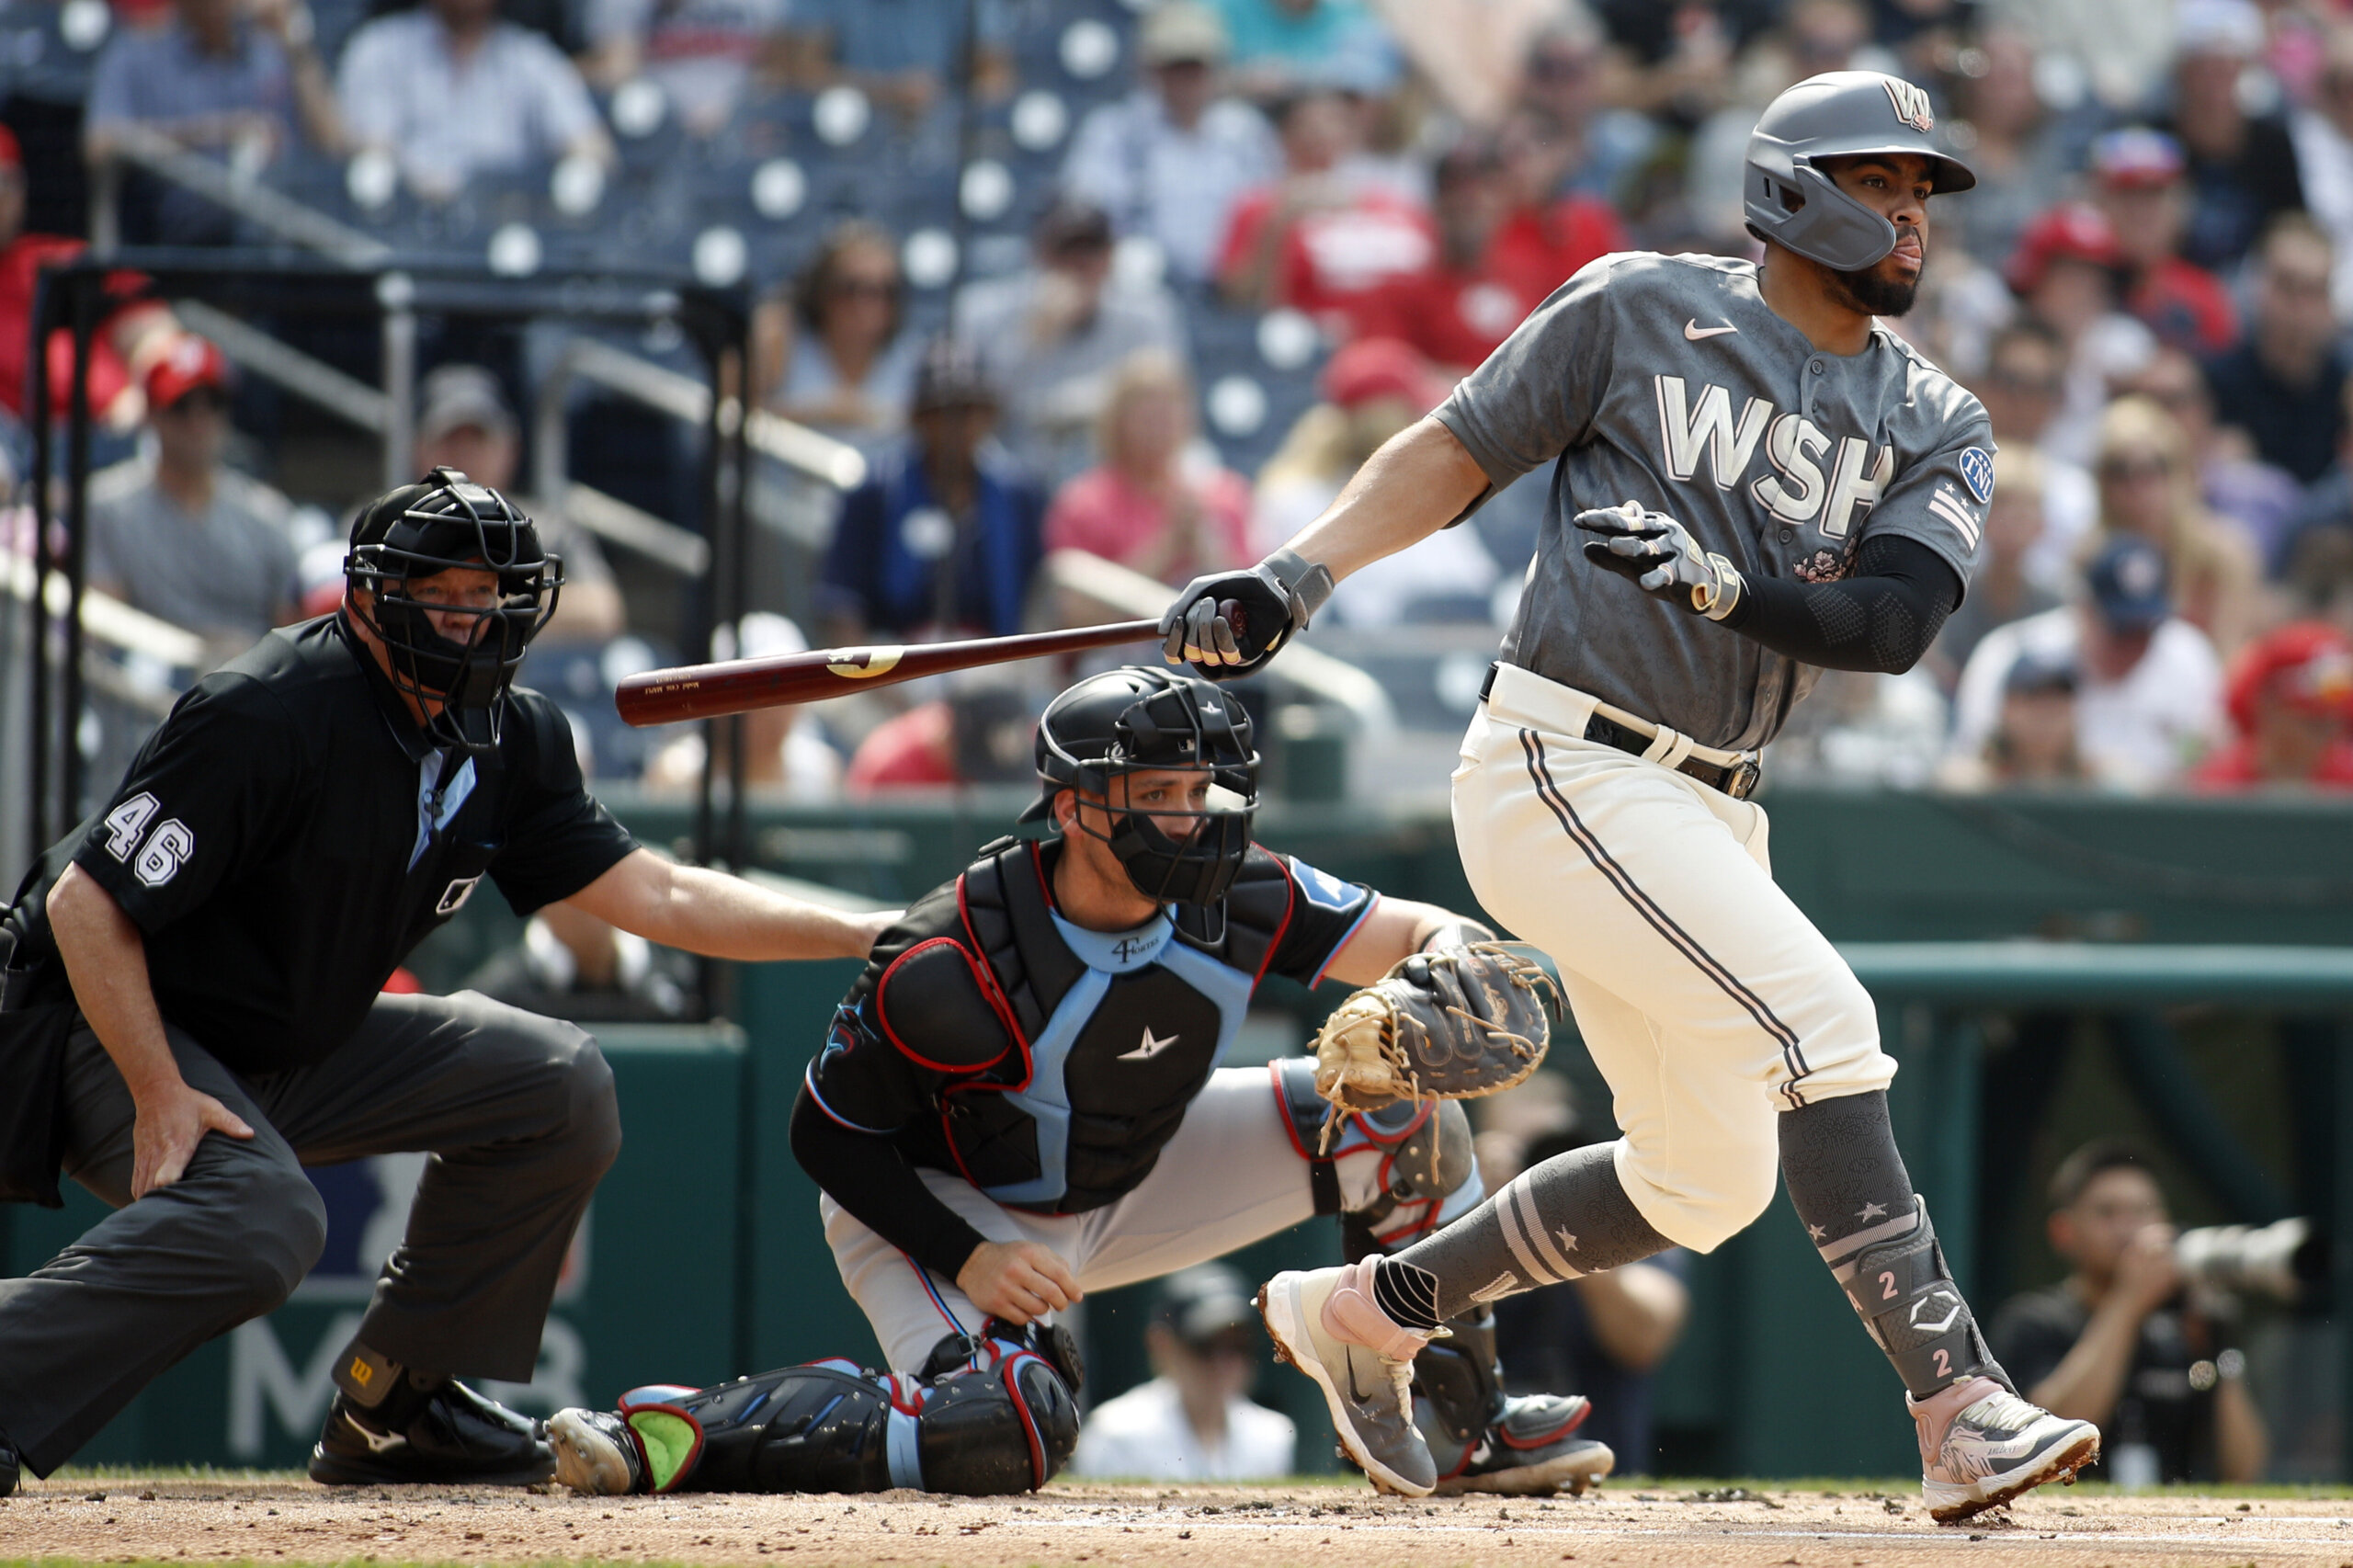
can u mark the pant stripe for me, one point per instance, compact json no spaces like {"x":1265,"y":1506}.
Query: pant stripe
{"x":1522,"y":1193}
{"x":1792,"y":1054}
{"x":1536,"y":1271}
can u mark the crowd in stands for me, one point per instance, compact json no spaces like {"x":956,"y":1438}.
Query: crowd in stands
{"x":2149,"y":290}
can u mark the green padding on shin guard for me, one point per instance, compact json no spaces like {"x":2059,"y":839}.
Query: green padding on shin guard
{"x":669,"y":1443}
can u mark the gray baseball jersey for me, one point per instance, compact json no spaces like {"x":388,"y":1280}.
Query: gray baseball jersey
{"x":1666,"y":380}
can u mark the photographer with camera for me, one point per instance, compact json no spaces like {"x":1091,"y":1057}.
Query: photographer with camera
{"x":2127,"y":1340}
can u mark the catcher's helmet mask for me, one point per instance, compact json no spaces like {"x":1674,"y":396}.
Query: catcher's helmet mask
{"x":1136,"y":720}
{"x":446,"y":522}
{"x":1790,"y":199}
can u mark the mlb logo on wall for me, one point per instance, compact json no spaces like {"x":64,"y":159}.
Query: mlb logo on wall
{"x":1911,"y":105}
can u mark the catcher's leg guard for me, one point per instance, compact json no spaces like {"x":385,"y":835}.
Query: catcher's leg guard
{"x":994,"y":1416}
{"x":1905,"y":1295}
{"x":1426,"y":1175}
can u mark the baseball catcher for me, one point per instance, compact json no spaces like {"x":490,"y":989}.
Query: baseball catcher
{"x":1024,"y":1099}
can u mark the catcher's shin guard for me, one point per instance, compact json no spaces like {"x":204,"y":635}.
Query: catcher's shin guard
{"x":1483,"y":1441}
{"x":1906,"y":1296}
{"x":996,"y":1417}
{"x":1426,"y":1175}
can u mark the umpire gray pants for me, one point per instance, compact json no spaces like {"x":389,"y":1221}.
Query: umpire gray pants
{"x":516,"y":1111}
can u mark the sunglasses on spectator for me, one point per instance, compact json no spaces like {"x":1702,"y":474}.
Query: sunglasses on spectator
{"x":2012,"y":381}
{"x":2148,"y":466}
{"x":867,"y":287}
{"x":203,"y":400}
{"x":1559,"y":67}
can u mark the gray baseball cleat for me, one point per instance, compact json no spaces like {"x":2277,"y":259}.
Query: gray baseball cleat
{"x":1324,"y":1322}
{"x":1981,"y":1445}
{"x":595,"y":1453}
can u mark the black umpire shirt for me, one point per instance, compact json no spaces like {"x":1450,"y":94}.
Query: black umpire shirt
{"x":271,"y":841}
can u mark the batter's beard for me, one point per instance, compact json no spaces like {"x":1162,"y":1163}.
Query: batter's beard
{"x":1873,"y":295}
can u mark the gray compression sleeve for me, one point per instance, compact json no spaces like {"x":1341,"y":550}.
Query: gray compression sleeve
{"x":1882,"y":617}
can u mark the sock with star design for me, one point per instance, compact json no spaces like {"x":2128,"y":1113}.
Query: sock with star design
{"x":1567,"y":1217}
{"x":1849,"y":1185}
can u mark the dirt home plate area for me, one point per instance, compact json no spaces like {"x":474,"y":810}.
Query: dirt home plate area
{"x":278,"y":1520}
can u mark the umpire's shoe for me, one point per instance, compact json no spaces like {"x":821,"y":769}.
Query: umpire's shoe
{"x":1530,"y":1450}
{"x":1980,"y":1445}
{"x":441,"y":1435}
{"x":1325,"y":1321}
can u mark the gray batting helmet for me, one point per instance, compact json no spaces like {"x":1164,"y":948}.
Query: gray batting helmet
{"x":1793,"y":202}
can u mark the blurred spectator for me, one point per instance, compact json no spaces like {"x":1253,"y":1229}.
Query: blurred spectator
{"x":829,"y":350}
{"x":2022,"y":387}
{"x":2019,"y":150}
{"x":1154,"y":503}
{"x":1861,"y":727}
{"x":981,"y":733}
{"x":2323,"y":131}
{"x":1169,"y":161}
{"x":2243,"y":168}
{"x":1603,"y":1335}
{"x":2119,"y":1343}
{"x":131,"y":332}
{"x":1194,"y":1420}
{"x":1049,"y":335}
{"x":1476,"y":54}
{"x":218,"y":81}
{"x":1811,"y":37}
{"x":2117,"y":49}
{"x":902,"y":53}
{"x":943,"y":537}
{"x":462,"y":420}
{"x":2067,"y":273}
{"x":1683,"y":52}
{"x":180,"y":536}
{"x":1548,"y":230}
{"x":404,"y":79}
{"x":2148,"y":489}
{"x":2290,"y":702}
{"x":2003,"y":588}
{"x":1372,"y":388}
{"x":1493,"y":265}
{"x":1573,"y":80}
{"x":2148,"y":699}
{"x":2137,"y":179}
{"x":2322,"y":529}
{"x":2284,"y":386}
{"x":702,"y":53}
{"x":2034,"y":742}
{"x":569,"y":964}
{"x":2261,"y":500}
{"x":1319,"y":238}
{"x":785,"y":751}
{"x":1280,"y":46}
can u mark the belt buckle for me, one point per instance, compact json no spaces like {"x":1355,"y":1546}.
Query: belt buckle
{"x":1741,"y":777}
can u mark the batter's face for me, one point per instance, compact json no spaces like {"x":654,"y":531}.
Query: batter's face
{"x":1896,"y":186}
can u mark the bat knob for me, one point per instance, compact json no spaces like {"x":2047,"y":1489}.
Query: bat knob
{"x":1235,"y":616}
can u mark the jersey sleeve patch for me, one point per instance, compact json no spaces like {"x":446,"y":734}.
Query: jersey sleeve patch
{"x":1977,"y":472}
{"x":934,"y":1006}
{"x":1323,"y":890}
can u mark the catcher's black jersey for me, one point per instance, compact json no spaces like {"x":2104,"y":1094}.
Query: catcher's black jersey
{"x":271,"y":842}
{"x":1047,"y":1064}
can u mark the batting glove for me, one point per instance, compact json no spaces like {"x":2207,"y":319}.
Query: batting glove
{"x":1662,"y":557}
{"x":1230,"y":623}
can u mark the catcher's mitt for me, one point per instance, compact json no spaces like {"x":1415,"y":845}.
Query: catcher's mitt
{"x":1454,"y":1024}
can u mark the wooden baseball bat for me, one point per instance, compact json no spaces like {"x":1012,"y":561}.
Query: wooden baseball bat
{"x":707,"y":691}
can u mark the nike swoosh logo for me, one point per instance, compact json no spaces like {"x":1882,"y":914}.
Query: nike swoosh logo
{"x":1153,"y":1046}
{"x":1693,"y":331}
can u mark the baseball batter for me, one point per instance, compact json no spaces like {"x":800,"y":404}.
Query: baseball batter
{"x":1753,"y":480}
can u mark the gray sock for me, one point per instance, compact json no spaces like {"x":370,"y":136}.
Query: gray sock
{"x":1569,"y":1216}
{"x":1849,"y":1185}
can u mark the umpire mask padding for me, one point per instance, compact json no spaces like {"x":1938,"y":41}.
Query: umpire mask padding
{"x":1137,"y":719}
{"x":442,"y":523}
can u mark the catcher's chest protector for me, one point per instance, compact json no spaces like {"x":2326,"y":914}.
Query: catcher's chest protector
{"x":1112,"y":1034}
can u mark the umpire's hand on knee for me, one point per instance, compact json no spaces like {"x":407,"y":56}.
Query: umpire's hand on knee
{"x":170,"y":1121}
{"x":1016,"y":1281}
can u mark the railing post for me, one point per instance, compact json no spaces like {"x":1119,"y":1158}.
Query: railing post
{"x":396,"y":292}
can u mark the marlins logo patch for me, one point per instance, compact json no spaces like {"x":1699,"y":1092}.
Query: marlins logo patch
{"x":1322,"y":888}
{"x":1977,"y":472}
{"x":1911,"y":105}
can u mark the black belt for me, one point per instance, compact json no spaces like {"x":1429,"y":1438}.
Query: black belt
{"x":1739,"y":780}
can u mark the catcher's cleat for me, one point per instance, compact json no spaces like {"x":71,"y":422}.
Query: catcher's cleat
{"x":447,"y":1434}
{"x":1324,"y":1322}
{"x":1531,"y":1451}
{"x":12,"y":1466}
{"x":1981,"y":1445}
{"x":595,"y":1453}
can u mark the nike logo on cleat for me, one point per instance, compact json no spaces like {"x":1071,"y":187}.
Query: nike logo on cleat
{"x":1693,"y":331}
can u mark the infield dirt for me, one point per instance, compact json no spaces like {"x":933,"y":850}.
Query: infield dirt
{"x":276,"y":1520}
